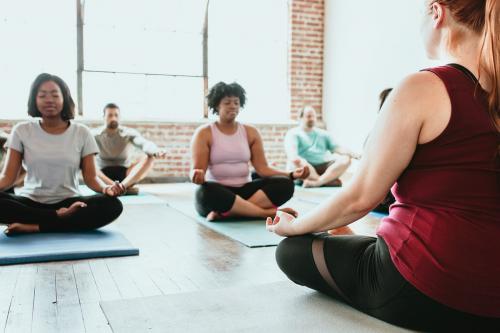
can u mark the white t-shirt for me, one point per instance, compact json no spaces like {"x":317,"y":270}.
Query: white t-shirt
{"x":52,"y":161}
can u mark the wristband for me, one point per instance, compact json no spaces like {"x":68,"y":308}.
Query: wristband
{"x":291,"y":175}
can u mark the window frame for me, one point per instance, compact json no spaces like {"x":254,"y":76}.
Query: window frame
{"x":80,"y":14}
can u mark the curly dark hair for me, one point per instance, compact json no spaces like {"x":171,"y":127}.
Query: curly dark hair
{"x":221,"y":90}
{"x":68,"y":110}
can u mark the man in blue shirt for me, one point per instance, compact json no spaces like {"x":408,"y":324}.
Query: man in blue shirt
{"x":314,"y":147}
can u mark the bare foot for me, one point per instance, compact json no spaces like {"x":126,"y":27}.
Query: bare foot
{"x":133,"y":190}
{"x":67,"y":212}
{"x":290,"y":211}
{"x":212,"y":216}
{"x":311,"y":183}
{"x":20,"y":228}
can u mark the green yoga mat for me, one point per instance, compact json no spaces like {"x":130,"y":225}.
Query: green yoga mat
{"x":139,"y":199}
{"x":250,"y":232}
{"x":275,"y":307}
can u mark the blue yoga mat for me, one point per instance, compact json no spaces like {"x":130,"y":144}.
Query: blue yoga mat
{"x":41,"y":247}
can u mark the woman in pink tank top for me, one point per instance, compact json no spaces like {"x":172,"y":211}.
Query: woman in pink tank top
{"x":435,"y":265}
{"x":222,"y":152}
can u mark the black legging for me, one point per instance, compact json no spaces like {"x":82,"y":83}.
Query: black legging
{"x":360,"y":272}
{"x":212,"y":196}
{"x":100,"y":211}
{"x":116,"y":173}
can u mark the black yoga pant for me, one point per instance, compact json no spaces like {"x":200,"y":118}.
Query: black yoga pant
{"x":115,"y":173}
{"x":212,"y":196}
{"x":358,"y":270}
{"x":100,"y":211}
{"x":321,"y":168}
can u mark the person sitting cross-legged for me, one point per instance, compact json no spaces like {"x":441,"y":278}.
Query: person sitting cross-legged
{"x":54,"y":149}
{"x":116,"y":144}
{"x":308,"y":145}
{"x":222,"y":152}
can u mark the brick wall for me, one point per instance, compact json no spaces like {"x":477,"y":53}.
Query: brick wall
{"x":175,"y":138}
{"x":306,"y":54}
{"x":306,"y":77}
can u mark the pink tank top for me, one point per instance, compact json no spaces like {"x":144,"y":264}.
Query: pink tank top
{"x":229,"y":157}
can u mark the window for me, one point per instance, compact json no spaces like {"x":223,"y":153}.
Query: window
{"x":36,"y":36}
{"x":144,"y":56}
{"x":248,"y":43}
{"x":147,"y":57}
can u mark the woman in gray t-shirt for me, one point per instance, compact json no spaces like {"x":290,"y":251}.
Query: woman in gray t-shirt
{"x":53,"y":150}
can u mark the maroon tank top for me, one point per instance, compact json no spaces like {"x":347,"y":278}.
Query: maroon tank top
{"x":443,"y":232}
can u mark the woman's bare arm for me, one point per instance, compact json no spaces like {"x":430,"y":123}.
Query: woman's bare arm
{"x":200,"y":154}
{"x":11,"y":169}
{"x":406,"y":118}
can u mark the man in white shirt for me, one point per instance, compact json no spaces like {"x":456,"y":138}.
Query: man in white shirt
{"x":116,"y":144}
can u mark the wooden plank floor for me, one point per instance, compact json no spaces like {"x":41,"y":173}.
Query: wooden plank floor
{"x":177,"y":255}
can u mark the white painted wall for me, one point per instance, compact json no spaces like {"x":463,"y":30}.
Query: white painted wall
{"x":369,"y":46}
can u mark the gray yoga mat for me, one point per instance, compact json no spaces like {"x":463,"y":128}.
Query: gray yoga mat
{"x":275,"y":307}
{"x":42,"y":247}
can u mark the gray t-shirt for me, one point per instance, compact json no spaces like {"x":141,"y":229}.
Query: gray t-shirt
{"x":115,"y":149}
{"x":52,"y":161}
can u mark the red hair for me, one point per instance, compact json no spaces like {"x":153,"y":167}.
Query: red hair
{"x":483,"y":17}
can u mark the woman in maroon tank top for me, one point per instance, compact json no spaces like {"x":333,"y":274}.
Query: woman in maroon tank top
{"x":435,"y":264}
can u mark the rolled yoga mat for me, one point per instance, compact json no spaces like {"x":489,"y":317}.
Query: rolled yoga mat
{"x":275,"y":307}
{"x":41,"y":247}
